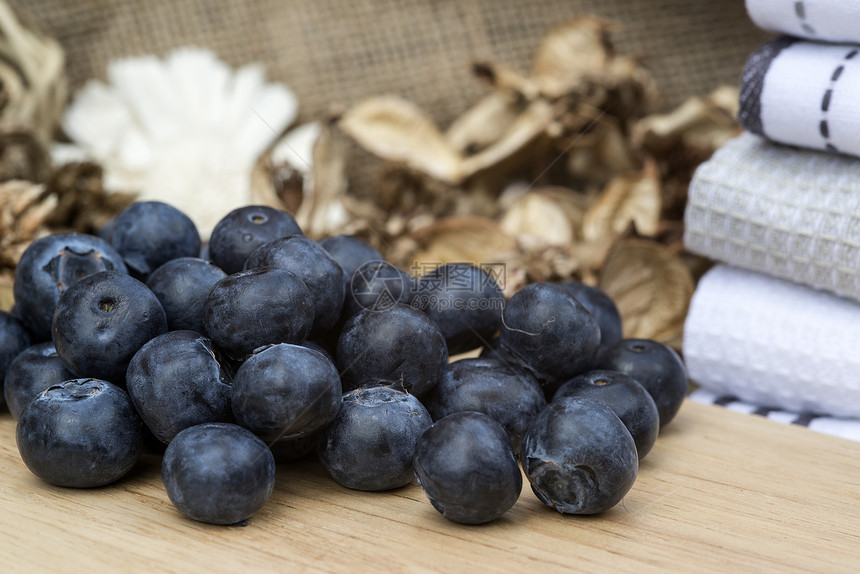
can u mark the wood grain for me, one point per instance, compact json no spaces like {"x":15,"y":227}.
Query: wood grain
{"x":720,"y":492}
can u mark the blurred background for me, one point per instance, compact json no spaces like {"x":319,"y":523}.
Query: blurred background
{"x":555,"y":137}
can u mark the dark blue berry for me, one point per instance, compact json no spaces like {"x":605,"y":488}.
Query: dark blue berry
{"x":377,"y":285}
{"x":14,"y":339}
{"x":51,"y":265}
{"x":181,"y":286}
{"x":177,"y":380}
{"x":399,"y":344}
{"x":244,"y":229}
{"x":219,"y":473}
{"x":258,"y":307}
{"x":548,"y":330}
{"x":371,"y":442}
{"x":81,"y":433}
{"x":579,"y":457}
{"x":465,"y":301}
{"x":286,"y":391}
{"x":351,"y":253}
{"x":509,"y":395}
{"x":655,"y":366}
{"x":150,"y":233}
{"x":102,"y":320}
{"x":466,"y":467}
{"x":601,"y":306}
{"x":33,"y":370}
{"x":627,"y":399}
{"x":314,"y":266}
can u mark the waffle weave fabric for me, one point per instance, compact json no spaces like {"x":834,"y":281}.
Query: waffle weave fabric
{"x":774,"y":343}
{"x":787,"y":212}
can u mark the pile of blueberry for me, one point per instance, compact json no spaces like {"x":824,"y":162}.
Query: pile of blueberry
{"x":264,"y":345}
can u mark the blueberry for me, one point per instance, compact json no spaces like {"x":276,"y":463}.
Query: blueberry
{"x":102,"y":320}
{"x":219,"y":473}
{"x":292,"y":449}
{"x":150,"y":233}
{"x":509,"y":395}
{"x":601,"y":306}
{"x":286,"y":391}
{"x":14,"y":339}
{"x":396,"y":344}
{"x":495,"y":350}
{"x":81,"y":433}
{"x":466,"y":467}
{"x":377,"y":285}
{"x":244,"y":229}
{"x":51,"y":265}
{"x":465,"y":301}
{"x":181,"y":286}
{"x":655,"y":366}
{"x":579,"y":457}
{"x":627,"y":399}
{"x":548,"y":330}
{"x":350,"y":252}
{"x":371,"y":442}
{"x":177,"y":380}
{"x":314,"y":266}
{"x":35,"y":369}
{"x":258,"y":307}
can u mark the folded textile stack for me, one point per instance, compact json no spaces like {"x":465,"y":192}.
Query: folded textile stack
{"x":771,"y":328}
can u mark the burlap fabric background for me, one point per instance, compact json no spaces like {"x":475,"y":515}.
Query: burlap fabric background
{"x":335,"y":52}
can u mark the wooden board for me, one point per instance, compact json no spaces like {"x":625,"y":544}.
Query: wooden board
{"x":720,"y":492}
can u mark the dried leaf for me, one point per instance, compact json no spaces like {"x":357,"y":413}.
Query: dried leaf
{"x":462,"y":239}
{"x":7,"y":297}
{"x":545,"y":216}
{"x":396,"y":130}
{"x":527,"y":128}
{"x":599,"y":155}
{"x":701,"y":122}
{"x":633,"y":197}
{"x":506,"y":80}
{"x":24,"y":210}
{"x":651,"y":286}
{"x":483,"y":124}
{"x":570,"y":52}
{"x":323,"y":212}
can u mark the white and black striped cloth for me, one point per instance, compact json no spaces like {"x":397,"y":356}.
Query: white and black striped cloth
{"x":804,"y":94}
{"x":820,"y":20}
{"x":841,"y":427}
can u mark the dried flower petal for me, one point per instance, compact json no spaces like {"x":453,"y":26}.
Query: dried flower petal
{"x":569,"y":53}
{"x":529,"y":126}
{"x":483,"y":124}
{"x":545,"y":216}
{"x":397,"y":130}
{"x":651,"y":286}
{"x":633,"y":197}
{"x":459,"y":239}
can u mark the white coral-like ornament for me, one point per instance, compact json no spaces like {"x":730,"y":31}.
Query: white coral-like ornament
{"x":186,"y":130}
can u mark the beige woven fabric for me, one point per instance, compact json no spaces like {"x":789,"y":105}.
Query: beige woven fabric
{"x":333,"y":52}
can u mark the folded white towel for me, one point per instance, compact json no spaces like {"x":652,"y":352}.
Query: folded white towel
{"x":786,"y":212}
{"x":822,"y":20}
{"x":841,"y":427}
{"x":774,"y":343}
{"x":804,"y":94}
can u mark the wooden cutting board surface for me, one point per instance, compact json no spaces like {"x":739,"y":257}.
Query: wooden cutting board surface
{"x":720,"y":492}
